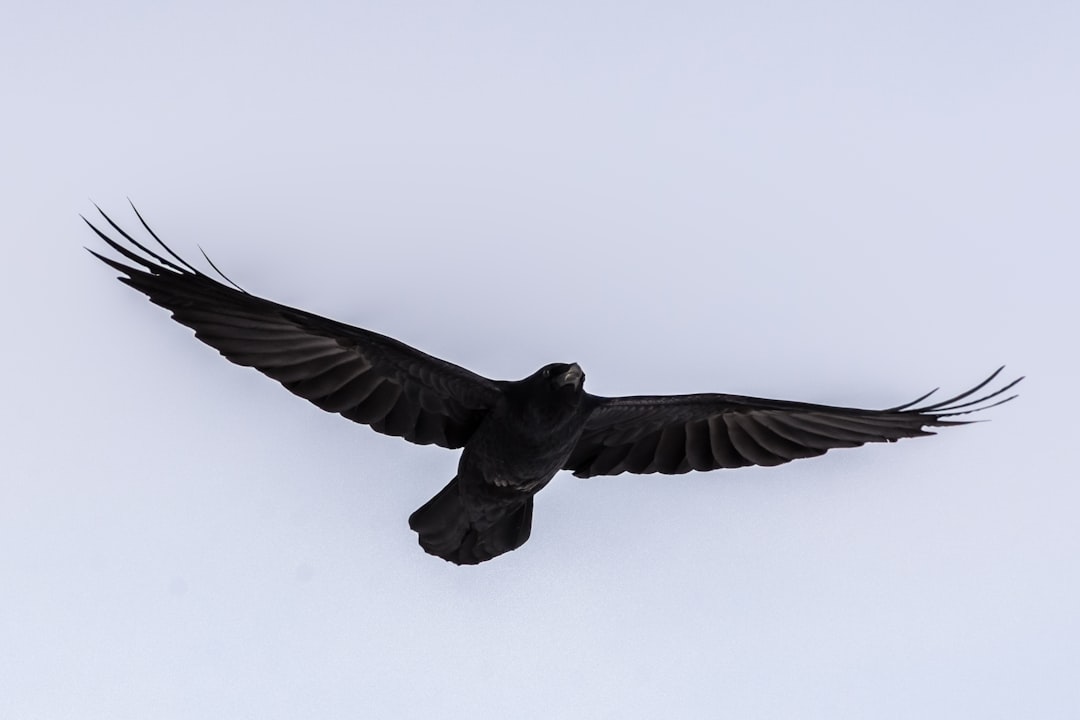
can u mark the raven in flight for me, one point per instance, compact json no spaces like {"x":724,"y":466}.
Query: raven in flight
{"x":515,"y":435}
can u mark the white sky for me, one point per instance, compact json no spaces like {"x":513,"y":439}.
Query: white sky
{"x":835,"y":202}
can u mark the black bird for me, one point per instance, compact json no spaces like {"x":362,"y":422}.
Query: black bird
{"x":515,"y":435}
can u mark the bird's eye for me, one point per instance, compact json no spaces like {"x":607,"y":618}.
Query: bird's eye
{"x":547,"y":372}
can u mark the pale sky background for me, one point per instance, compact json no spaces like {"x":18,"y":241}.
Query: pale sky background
{"x":833,"y":202}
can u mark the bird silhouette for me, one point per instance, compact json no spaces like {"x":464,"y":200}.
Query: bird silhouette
{"x":516,"y":435}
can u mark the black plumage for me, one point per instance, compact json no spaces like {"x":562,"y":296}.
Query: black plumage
{"x":515,"y":435}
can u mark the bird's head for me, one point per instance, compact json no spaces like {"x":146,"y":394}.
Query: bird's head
{"x":552,"y":392}
{"x":555,"y":390}
{"x":561,"y":377}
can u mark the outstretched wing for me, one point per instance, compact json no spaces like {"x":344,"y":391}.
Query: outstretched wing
{"x":678,"y":433}
{"x":366,"y":377}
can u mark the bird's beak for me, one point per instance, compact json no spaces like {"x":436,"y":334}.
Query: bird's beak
{"x":573,"y":376}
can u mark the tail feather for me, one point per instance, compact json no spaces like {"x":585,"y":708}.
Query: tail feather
{"x":446,"y":531}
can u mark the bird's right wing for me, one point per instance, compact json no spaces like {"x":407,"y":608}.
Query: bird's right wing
{"x":366,"y":377}
{"x":677,"y":433}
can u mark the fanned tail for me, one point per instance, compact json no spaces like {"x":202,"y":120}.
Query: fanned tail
{"x":446,"y":531}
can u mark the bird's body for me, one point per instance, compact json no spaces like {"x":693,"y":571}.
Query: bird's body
{"x":515,"y":435}
{"x":516,"y":450}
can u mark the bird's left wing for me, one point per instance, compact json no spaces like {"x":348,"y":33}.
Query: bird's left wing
{"x":366,"y":377}
{"x":678,"y":433}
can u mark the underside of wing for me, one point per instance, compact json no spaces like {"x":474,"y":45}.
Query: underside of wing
{"x":365,"y":377}
{"x":678,"y":433}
